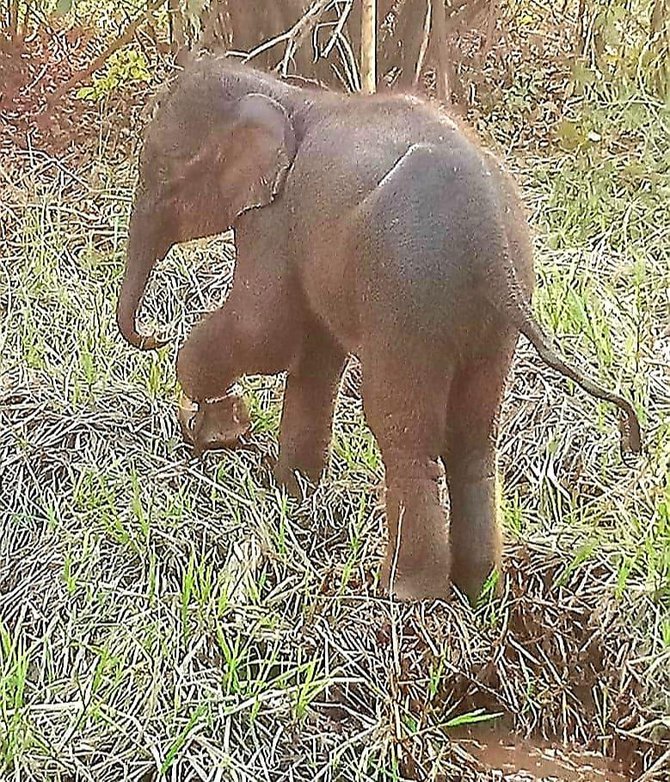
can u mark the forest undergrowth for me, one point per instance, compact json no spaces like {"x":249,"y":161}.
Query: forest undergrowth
{"x":169,"y":617}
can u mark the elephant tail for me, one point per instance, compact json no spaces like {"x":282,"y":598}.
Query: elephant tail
{"x":519,"y":308}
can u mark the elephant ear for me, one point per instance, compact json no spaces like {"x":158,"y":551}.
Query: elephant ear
{"x":258,"y":155}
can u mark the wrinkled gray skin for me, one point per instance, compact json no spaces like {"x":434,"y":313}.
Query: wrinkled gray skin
{"x":365,"y":225}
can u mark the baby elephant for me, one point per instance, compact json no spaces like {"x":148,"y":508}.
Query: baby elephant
{"x":367,"y":225}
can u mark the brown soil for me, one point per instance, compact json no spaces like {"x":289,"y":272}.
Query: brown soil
{"x":525,"y":759}
{"x":32,"y":70}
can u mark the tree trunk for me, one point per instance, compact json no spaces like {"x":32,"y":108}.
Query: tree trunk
{"x":442,"y":68}
{"x":176,"y":22}
{"x":14,"y":20}
{"x":369,"y":47}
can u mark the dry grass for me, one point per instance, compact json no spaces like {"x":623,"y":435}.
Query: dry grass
{"x":166,"y":616}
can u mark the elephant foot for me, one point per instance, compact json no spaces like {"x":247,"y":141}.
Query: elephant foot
{"x":431,"y":583}
{"x":285,"y":476}
{"x":213,"y":425}
{"x":421,"y":576}
{"x":417,"y":565}
{"x":472,"y":579}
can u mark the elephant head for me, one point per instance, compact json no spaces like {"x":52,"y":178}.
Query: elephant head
{"x":220,"y":144}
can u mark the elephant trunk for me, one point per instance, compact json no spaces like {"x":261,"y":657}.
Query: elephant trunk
{"x":143,"y":253}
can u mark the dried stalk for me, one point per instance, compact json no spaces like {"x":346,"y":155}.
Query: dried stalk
{"x":296,"y":35}
{"x":350,"y":62}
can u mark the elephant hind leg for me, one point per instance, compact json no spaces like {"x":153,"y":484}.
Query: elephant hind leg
{"x":469,"y":456}
{"x":401,"y":409}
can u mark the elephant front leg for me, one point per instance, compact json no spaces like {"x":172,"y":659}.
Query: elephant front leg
{"x":307,"y":415}
{"x":236,"y":340}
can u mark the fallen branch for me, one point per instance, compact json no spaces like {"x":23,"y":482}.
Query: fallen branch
{"x":300,"y":29}
{"x":337,"y":32}
{"x":305,"y":26}
{"x":296,"y":36}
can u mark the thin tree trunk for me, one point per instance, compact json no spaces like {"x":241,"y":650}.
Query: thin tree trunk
{"x":440,"y":29}
{"x":369,"y":47}
{"x":660,"y":17}
{"x":177,"y":37}
{"x":13,"y":20}
{"x":215,"y":27}
{"x":425,"y":42}
{"x":491,"y":25}
{"x":582,"y":27}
